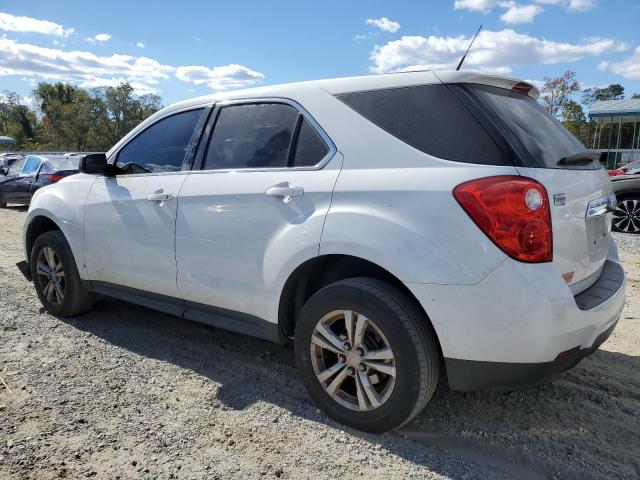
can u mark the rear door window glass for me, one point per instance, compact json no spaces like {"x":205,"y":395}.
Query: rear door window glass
{"x":431,"y":119}
{"x":310,"y":149}
{"x":252,"y":136}
{"x":31,"y":166}
{"x":161,"y":147}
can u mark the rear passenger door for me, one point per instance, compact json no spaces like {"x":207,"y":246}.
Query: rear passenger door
{"x":256,"y":206}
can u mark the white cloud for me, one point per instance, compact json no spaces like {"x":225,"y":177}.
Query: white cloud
{"x":90,"y":70}
{"x":11,"y":23}
{"x":140,"y":45}
{"x":520,"y":14}
{"x":517,"y":13}
{"x":219,"y":78}
{"x":384,"y":24}
{"x":628,"y":68}
{"x":496,"y":52}
{"x":581,"y":5}
{"x":101,"y":37}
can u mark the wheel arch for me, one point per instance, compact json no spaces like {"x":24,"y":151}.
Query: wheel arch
{"x":37,"y":225}
{"x":317,"y":272}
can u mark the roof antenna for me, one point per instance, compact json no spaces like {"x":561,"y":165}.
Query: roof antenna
{"x":470,"y":45}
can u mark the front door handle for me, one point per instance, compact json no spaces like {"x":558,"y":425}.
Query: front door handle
{"x":285,"y":191}
{"x":159,"y":196}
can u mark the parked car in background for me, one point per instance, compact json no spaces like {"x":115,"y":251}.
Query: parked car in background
{"x":629,"y":169}
{"x":22,"y":179}
{"x":626,"y":216}
{"x":8,"y":159}
{"x":392,"y":227}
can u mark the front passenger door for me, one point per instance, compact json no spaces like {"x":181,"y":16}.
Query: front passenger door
{"x":129,"y":227}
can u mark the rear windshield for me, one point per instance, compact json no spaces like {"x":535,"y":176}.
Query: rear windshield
{"x":532,"y":132}
{"x":431,"y":119}
{"x":63,"y":163}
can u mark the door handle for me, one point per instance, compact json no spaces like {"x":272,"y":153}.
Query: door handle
{"x":159,"y":197}
{"x":285,"y":191}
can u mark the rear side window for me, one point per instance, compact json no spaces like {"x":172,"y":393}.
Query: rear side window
{"x":431,"y":119}
{"x":263,"y":135}
{"x":310,"y":148}
{"x":161,"y":147}
{"x":252,"y":136}
{"x":31,"y":166}
{"x":535,"y":133}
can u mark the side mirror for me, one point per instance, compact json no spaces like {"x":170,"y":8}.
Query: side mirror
{"x":2,"y":171}
{"x":94,"y":164}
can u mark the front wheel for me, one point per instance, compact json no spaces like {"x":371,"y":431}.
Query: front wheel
{"x":55,"y":276}
{"x":368,"y":356}
{"x":626,"y":216}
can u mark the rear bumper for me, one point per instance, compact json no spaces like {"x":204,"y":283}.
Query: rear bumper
{"x":509,"y":329}
{"x":470,"y":375}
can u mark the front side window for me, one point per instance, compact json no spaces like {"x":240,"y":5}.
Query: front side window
{"x":161,"y":147}
{"x":31,"y":166}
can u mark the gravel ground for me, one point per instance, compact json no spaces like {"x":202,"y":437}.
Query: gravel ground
{"x":628,"y":242}
{"x":125,"y":392}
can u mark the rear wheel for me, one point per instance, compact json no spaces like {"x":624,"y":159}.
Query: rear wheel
{"x":369,"y":358}
{"x":626,"y":216}
{"x":3,"y":202}
{"x":56,"y":278}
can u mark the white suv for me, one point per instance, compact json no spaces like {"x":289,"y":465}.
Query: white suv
{"x":399,"y":229}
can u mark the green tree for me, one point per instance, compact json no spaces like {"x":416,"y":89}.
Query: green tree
{"x":573,"y":117}
{"x":17,"y":120}
{"x":615,"y":91}
{"x":557,"y":91}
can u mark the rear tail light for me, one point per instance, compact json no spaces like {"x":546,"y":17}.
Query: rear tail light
{"x":522,"y":87}
{"x":53,"y":177}
{"x":513,"y":212}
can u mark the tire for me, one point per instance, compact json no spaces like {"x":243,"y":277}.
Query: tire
{"x":393,"y":322}
{"x":51,"y":249}
{"x":3,"y":203}
{"x":626,"y":216}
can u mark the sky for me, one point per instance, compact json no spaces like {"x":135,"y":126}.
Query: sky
{"x":182,"y":49}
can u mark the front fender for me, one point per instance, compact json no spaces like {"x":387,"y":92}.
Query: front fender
{"x":63,"y":204}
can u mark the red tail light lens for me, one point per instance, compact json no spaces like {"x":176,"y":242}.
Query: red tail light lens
{"x":513,"y":212}
{"x":53,"y":177}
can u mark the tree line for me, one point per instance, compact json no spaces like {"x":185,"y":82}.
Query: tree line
{"x":63,"y":117}
{"x":563,"y":98}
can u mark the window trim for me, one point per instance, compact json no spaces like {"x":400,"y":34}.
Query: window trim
{"x":196,"y":137}
{"x":203,"y":148}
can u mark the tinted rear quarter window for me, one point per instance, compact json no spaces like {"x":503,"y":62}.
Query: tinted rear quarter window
{"x":431,"y":119}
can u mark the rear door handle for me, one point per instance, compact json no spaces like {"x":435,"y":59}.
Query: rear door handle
{"x":159,"y":197}
{"x":285,"y":191}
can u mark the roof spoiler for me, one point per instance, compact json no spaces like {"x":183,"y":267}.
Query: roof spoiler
{"x":507,"y":83}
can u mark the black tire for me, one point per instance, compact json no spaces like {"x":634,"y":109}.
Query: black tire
{"x":626,"y":216}
{"x":408,"y":334}
{"x":3,"y":203}
{"x":75,"y":299}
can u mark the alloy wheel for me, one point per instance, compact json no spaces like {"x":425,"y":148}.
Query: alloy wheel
{"x":353,"y":360}
{"x":626,"y":216}
{"x":50,"y":274}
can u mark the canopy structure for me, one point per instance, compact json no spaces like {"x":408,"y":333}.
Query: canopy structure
{"x":6,"y":140}
{"x":617,"y":130}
